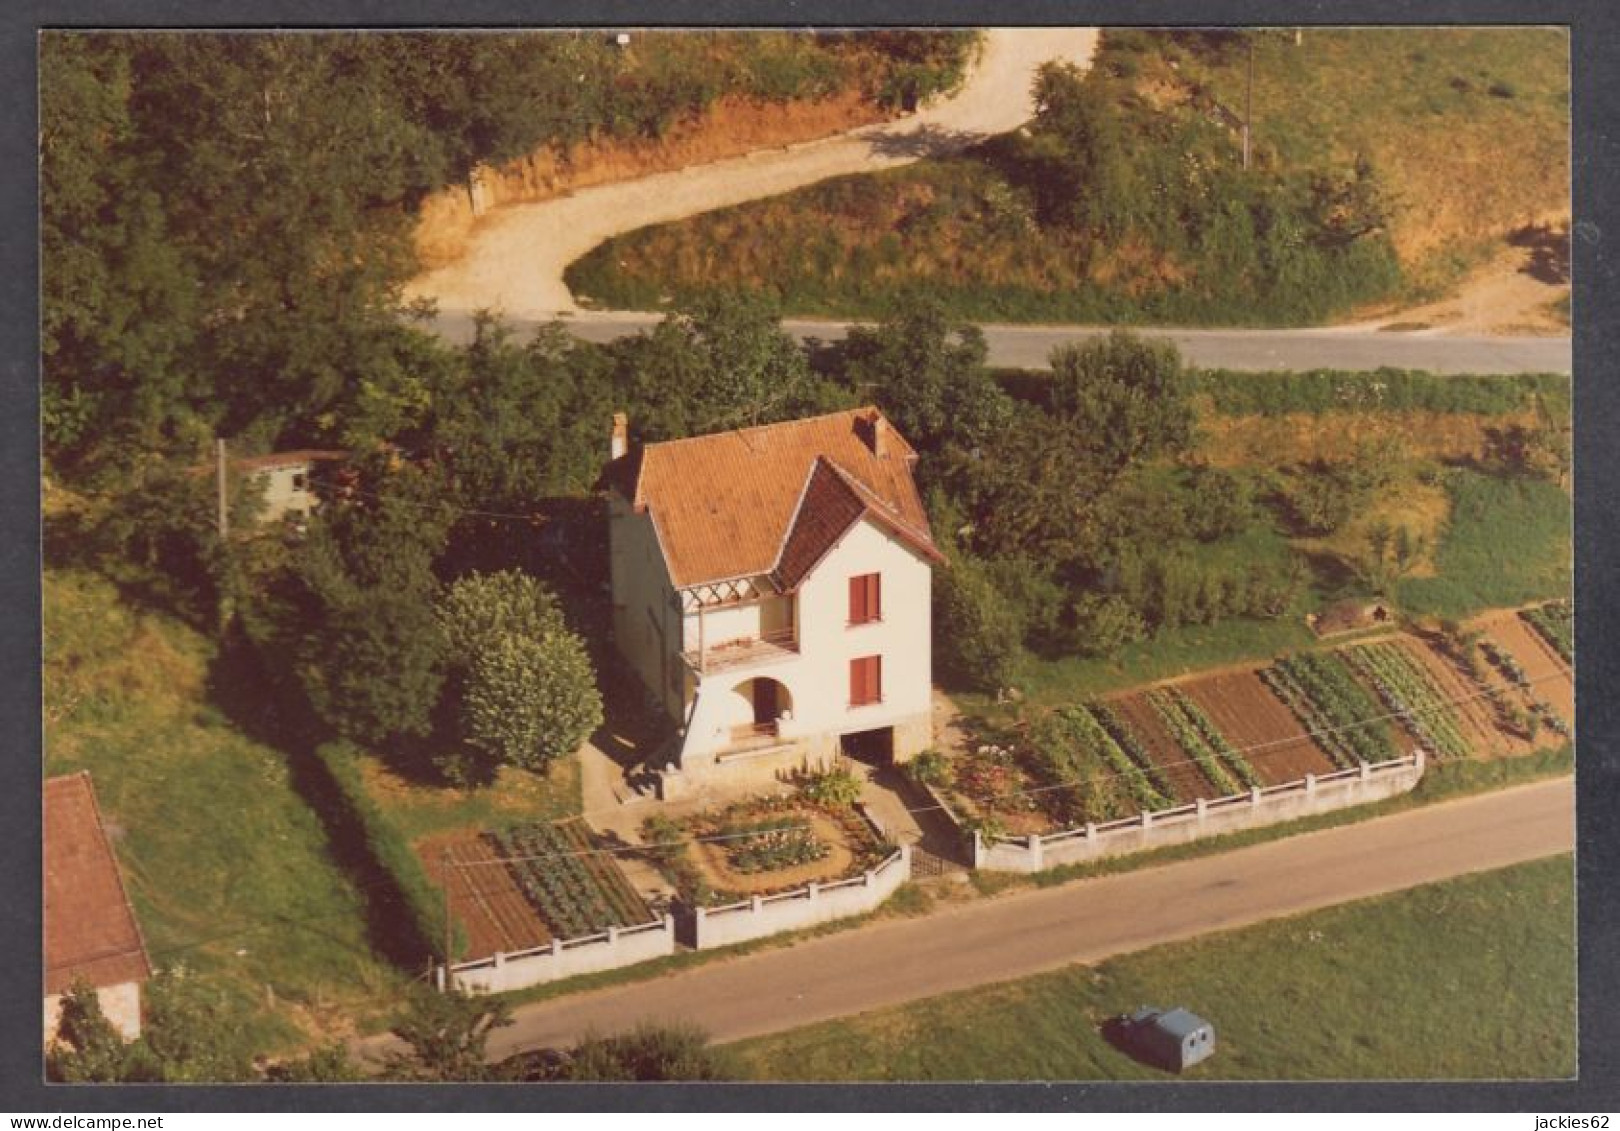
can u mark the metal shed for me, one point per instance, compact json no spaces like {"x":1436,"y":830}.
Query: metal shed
{"x":1174,"y":1038}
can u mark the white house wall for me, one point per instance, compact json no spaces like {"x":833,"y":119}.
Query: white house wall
{"x":817,"y":679}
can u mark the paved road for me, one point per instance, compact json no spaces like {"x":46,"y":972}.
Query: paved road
{"x":1033,"y":931}
{"x":1027,"y":347}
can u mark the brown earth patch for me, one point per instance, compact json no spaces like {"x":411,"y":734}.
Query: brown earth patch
{"x":1476,"y":715}
{"x":1259,"y":726}
{"x":731,"y":127}
{"x":1550,"y":680}
{"x":484,"y":898}
{"x":1186,"y":780}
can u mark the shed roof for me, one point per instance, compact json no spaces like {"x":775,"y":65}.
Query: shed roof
{"x":728,"y":505}
{"x":90,"y":928}
{"x":1179,"y":1023}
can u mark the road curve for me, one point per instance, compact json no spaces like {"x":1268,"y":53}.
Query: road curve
{"x":1028,"y":347}
{"x":1033,"y":931}
{"x":515,"y":262}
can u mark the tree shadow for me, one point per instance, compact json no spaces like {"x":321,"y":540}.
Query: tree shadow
{"x":919,"y":141}
{"x":1549,"y":248}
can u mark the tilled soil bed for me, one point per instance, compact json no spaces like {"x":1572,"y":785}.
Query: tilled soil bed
{"x":1476,"y":714}
{"x":484,"y":899}
{"x":1186,"y":779}
{"x":1259,"y":726}
{"x":712,"y":860}
{"x":1550,"y":680}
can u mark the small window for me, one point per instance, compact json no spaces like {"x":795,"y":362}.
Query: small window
{"x":866,"y":681}
{"x":865,"y":598}
{"x":298,"y":482}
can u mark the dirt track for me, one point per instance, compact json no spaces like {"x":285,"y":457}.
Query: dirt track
{"x":516,"y":260}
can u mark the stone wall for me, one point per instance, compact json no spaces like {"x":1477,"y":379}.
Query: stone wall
{"x":802,"y":907}
{"x":565,"y":958}
{"x":1304,"y":798}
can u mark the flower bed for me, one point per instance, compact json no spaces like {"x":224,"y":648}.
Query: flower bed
{"x":770,"y":845}
{"x":761,"y":846}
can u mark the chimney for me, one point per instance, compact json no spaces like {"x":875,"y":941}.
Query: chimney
{"x":874,"y":428}
{"x":621,"y":436}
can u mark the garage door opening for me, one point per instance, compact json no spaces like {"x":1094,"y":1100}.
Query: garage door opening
{"x":873,"y":747}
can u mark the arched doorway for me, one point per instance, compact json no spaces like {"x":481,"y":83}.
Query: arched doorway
{"x":768,"y":701}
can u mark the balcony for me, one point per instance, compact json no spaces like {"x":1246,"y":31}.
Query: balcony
{"x":766,"y":648}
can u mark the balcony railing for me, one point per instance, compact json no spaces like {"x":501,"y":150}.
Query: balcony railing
{"x":767,"y":647}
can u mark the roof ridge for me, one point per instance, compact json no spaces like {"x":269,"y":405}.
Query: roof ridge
{"x":799,"y":421}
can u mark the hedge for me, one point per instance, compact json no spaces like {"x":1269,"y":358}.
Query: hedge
{"x":417,"y":902}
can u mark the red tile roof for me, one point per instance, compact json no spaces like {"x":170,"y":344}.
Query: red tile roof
{"x":724,"y":505}
{"x":90,"y":928}
{"x":834,"y":501}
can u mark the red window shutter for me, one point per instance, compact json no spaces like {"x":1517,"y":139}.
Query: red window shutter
{"x":866,"y":680}
{"x":857,"y":600}
{"x":874,"y":596}
{"x":865,"y":599}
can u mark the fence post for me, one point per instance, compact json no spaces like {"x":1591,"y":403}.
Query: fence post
{"x":439,"y":977}
{"x":556,"y":948}
{"x":1254,"y":795}
{"x":1366,"y":772}
{"x":1419,"y":757}
{"x":500,"y":959}
{"x":814,"y":889}
{"x":1310,"y":785}
{"x":1203,"y":808}
{"x":1147,"y":818}
{"x":612,"y":933}
{"x":755,"y":903}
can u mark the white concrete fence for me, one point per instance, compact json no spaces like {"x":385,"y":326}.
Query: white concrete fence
{"x":1203,"y":818}
{"x":564,"y":958}
{"x":802,"y":907}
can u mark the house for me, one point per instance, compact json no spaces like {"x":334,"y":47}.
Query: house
{"x":90,"y":930}
{"x":288,"y":480}
{"x":771,"y":590}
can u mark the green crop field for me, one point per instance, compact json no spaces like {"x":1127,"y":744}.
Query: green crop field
{"x":1472,"y":978}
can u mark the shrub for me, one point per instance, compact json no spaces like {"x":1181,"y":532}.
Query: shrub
{"x":930,"y":767}
{"x":981,"y":639}
{"x":836,"y":786}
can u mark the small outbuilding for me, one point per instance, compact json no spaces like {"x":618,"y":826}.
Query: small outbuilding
{"x":1175,"y":1038}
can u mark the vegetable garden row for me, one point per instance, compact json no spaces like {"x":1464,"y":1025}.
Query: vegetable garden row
{"x":1308,"y":713}
{"x":575,"y":887}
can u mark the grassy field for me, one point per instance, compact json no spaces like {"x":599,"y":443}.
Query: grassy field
{"x":1370,"y":990}
{"x":1507,"y":542}
{"x":1429,"y":107}
{"x":227,"y":864}
{"x":418,"y":810}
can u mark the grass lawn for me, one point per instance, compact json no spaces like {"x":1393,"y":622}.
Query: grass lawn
{"x":1371,"y":990}
{"x":1507,"y":542}
{"x":226,"y":863}
{"x":418,"y":810}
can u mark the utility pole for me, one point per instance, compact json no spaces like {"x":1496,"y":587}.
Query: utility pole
{"x":224,"y":517}
{"x":1248,"y":104}
{"x":448,"y":934}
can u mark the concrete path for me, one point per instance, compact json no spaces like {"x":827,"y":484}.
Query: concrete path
{"x":1032,"y":931}
{"x":515,"y":261}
